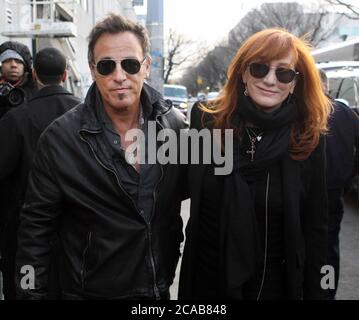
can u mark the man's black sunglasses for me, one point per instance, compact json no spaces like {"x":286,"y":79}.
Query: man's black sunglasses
{"x":260,"y":70}
{"x":107,"y":66}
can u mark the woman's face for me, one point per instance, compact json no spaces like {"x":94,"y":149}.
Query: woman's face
{"x":268,"y":92}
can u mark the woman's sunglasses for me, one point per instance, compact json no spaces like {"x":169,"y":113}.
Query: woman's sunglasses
{"x":107,"y":66}
{"x":260,"y":70}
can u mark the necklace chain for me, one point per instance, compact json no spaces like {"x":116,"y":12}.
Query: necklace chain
{"x":253,"y":139}
{"x":253,"y":135}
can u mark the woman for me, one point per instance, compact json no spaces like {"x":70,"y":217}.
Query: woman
{"x":261,"y":232}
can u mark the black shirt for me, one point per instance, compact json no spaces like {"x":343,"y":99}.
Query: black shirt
{"x":139,"y":185}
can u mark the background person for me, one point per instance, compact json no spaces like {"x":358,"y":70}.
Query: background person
{"x":20,"y":130}
{"x":16,"y":66}
{"x":342,"y":145}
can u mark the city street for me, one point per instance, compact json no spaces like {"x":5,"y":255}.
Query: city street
{"x":349,"y":243}
{"x":349,"y":249}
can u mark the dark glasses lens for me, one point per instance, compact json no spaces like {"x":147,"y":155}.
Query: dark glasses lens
{"x":260,"y":70}
{"x":285,"y":75}
{"x":107,"y":66}
{"x":131,"y":66}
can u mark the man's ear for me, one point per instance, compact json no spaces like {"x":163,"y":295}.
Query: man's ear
{"x":64,"y":76}
{"x":34,"y":76}
{"x":92,"y":69}
{"x":148,"y":66}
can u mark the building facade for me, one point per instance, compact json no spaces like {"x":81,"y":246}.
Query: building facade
{"x":63,"y":24}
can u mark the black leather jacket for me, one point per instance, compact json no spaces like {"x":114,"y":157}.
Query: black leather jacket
{"x":109,"y":251}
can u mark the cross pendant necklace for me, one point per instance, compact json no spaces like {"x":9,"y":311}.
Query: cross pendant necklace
{"x":253,"y":148}
{"x":253,"y":140}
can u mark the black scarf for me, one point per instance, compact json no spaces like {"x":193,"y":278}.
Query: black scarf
{"x":275,"y":141}
{"x":239,"y":237}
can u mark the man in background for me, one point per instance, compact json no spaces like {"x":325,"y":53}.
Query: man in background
{"x":16,"y":61}
{"x":342,"y":143}
{"x":20,"y":129}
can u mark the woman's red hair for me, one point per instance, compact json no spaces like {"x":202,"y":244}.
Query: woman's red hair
{"x":313,"y":105}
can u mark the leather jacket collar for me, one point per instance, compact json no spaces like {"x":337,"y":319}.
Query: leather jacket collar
{"x":149,"y":97}
{"x":50,"y":90}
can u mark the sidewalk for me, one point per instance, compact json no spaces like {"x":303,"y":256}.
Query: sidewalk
{"x":185,"y":216}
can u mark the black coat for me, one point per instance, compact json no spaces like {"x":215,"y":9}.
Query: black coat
{"x":109,"y":249}
{"x":20,"y":130}
{"x":342,"y":141}
{"x":305,"y":224}
{"x":29,"y":88}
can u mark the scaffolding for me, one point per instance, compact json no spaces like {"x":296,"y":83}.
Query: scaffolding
{"x":39,"y":18}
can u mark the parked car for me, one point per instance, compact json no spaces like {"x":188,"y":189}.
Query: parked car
{"x":344,"y":86}
{"x":178,"y":95}
{"x":213,"y":94}
{"x":343,"y":79}
{"x":201,"y":96}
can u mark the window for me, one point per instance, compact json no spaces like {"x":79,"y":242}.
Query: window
{"x":175,"y":92}
{"x":345,"y":88}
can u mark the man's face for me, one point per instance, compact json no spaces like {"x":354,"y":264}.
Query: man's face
{"x":120,"y":90}
{"x":12,"y":70}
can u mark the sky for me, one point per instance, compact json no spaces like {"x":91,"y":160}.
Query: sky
{"x":207,"y":20}
{"x":210,"y":21}
{"x":203,"y":20}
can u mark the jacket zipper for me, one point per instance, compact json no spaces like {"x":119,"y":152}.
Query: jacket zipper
{"x":154,"y":276}
{"x":265,"y":241}
{"x":155,"y":287}
{"x":89,"y":236}
{"x":149,"y":232}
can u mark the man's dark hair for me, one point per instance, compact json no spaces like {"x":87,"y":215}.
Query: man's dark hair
{"x":114,"y":24}
{"x":324,"y":79}
{"x":50,"y":65}
{"x":323,"y":76}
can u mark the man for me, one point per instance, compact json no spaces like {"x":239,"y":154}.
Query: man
{"x":342,"y":142}
{"x":119,"y":222}
{"x":15,"y":69}
{"x":16,"y":60}
{"x":20,"y":129}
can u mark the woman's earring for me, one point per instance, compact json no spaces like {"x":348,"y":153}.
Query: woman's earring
{"x":245,"y":92}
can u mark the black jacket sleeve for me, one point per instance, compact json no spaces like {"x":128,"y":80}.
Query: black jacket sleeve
{"x":316,"y":226}
{"x":38,"y":222}
{"x":10,"y":145}
{"x":356,"y":135}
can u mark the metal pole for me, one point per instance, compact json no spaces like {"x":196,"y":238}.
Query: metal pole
{"x":155,"y":29}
